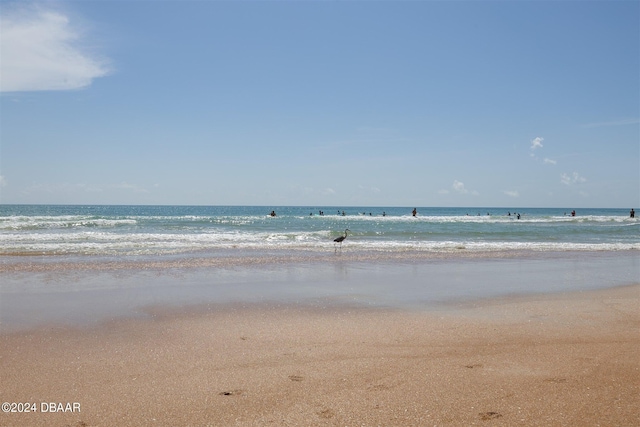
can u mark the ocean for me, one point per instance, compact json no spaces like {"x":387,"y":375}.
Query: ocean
{"x":171,"y":230}
{"x":85,"y":264}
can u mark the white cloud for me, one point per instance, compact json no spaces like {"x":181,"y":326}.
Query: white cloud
{"x":536,"y":143}
{"x":574,"y":178}
{"x":41,"y":50}
{"x":328,"y":192}
{"x":550,"y":161}
{"x":459,"y":187}
{"x":511,"y":193}
{"x":443,"y":191}
{"x":130,"y":187}
{"x":3,"y":181}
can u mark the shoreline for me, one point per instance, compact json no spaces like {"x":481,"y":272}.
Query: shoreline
{"x":33,"y":262}
{"x":91,"y":291}
{"x":565,"y":358}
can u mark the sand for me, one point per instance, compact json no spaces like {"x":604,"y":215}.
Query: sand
{"x":551,"y":360}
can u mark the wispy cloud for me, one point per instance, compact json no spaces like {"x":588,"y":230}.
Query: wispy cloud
{"x":536,"y":143}
{"x":620,"y":122}
{"x":511,"y":193}
{"x":42,"y":50}
{"x":3,"y":181}
{"x":460,"y":188}
{"x":130,"y":187}
{"x":574,"y":178}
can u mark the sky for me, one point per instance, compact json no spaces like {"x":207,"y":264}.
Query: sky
{"x":321,"y":103}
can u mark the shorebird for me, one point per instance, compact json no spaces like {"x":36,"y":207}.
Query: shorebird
{"x":341,"y":238}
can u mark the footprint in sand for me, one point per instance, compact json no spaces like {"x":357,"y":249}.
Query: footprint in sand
{"x":230,"y":393}
{"x":486,"y":416}
{"x":475,"y":365}
{"x":296,"y":378}
{"x":326,"y":413}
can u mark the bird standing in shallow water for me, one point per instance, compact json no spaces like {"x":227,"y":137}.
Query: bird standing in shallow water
{"x":341,"y":238}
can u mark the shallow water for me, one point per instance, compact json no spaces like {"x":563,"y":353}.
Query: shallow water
{"x":86,"y":264}
{"x":82,"y":296}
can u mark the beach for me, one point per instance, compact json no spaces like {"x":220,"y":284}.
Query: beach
{"x":319,"y":213}
{"x":225,"y":316}
{"x":538,"y":359}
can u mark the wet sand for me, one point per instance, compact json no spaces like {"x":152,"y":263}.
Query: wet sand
{"x":69,"y":291}
{"x":559,"y":359}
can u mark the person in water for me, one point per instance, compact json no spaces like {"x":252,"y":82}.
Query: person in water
{"x":414,"y":212}
{"x":273,"y":213}
{"x":632,"y":214}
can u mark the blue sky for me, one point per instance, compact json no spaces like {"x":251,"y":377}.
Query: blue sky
{"x":403,"y":103}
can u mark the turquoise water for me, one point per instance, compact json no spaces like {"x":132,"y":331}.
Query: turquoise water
{"x":82,"y":264}
{"x":160,"y":230}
